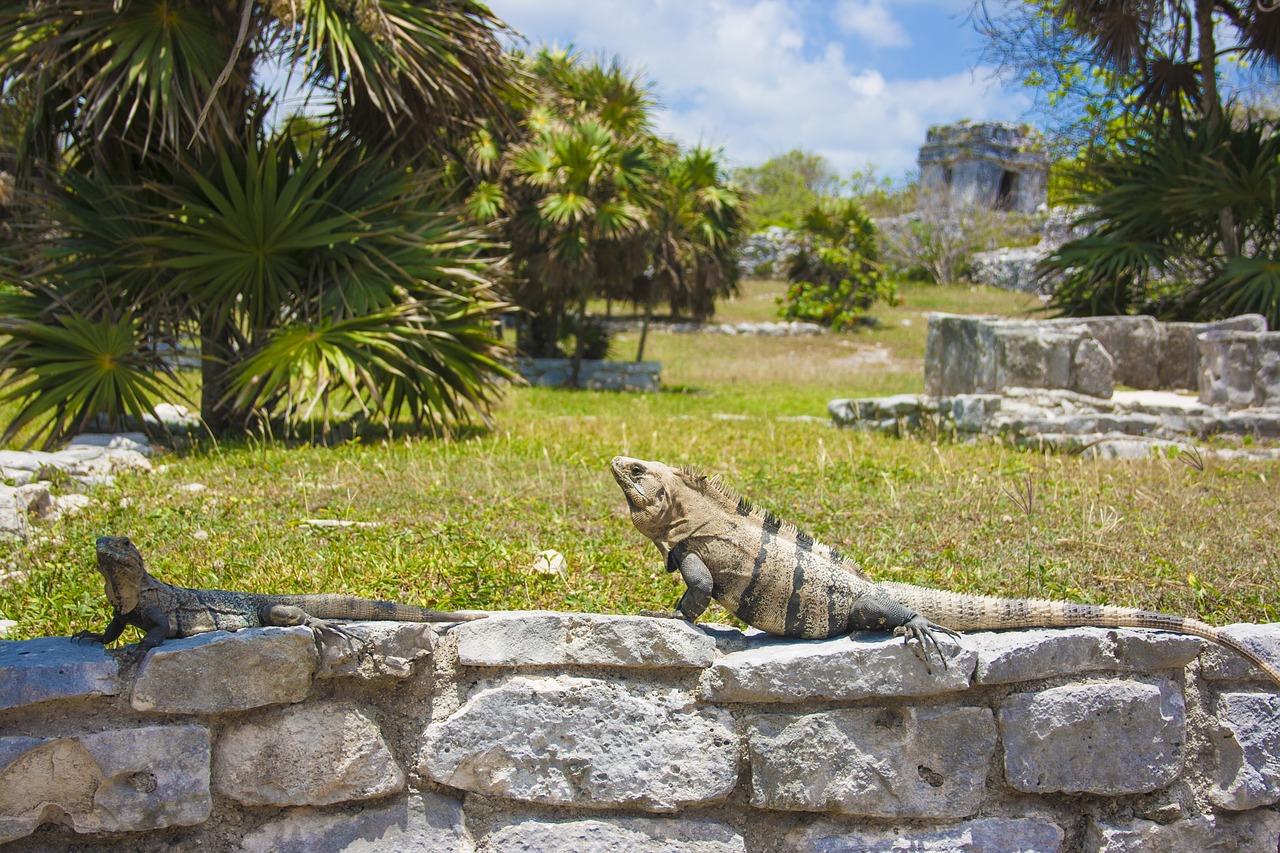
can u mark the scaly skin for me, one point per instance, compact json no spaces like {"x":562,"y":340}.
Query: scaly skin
{"x":778,"y":579}
{"x":163,"y":611}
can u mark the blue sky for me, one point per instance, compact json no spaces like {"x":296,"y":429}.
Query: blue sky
{"x":858,"y":81}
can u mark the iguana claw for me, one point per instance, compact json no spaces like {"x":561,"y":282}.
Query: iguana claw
{"x":922,"y":631}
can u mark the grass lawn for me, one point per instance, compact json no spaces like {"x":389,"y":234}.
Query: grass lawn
{"x":459,"y":522}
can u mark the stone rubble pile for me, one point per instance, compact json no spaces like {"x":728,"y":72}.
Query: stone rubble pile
{"x":552,"y":731}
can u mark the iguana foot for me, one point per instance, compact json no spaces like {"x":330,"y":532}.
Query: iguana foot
{"x":91,"y":636}
{"x":324,"y":626}
{"x":922,"y":631}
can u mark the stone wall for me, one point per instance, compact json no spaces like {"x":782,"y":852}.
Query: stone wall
{"x":996,"y":165}
{"x":552,"y":732}
{"x":592,"y":374}
{"x":1089,"y":355}
{"x":1240,"y":369}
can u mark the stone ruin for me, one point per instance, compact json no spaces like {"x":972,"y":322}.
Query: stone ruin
{"x":1052,"y":383}
{"x":993,"y":164}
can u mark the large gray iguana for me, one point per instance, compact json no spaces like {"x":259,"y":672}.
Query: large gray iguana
{"x":165,"y":611}
{"x":778,"y":579}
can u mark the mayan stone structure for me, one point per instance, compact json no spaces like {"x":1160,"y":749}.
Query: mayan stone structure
{"x":993,"y":164}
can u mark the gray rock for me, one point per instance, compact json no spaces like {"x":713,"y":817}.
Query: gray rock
{"x":583,"y":742}
{"x":134,"y":441}
{"x":1109,"y":738}
{"x":312,"y":755}
{"x":1255,"y":832}
{"x":1222,"y":664}
{"x":842,"y":668}
{"x":54,"y":668}
{"x":1246,"y":751}
{"x":378,"y":650}
{"x":423,"y":822}
{"x":34,"y":499}
{"x":1010,"y":656}
{"x":984,"y":835}
{"x":877,"y":762}
{"x":634,"y":835}
{"x":581,"y":639}
{"x":123,"y":780}
{"x":13,"y":516}
{"x":221,"y":671}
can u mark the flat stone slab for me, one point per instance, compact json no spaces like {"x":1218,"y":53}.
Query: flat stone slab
{"x":421,"y":823}
{"x":1010,"y":656}
{"x":984,"y":835}
{"x":1252,"y":832}
{"x":122,"y":780}
{"x":572,"y":741}
{"x":221,"y":671}
{"x":310,"y":755}
{"x":609,"y":835}
{"x":1108,"y":738}
{"x":582,"y":639}
{"x":50,"y":668}
{"x":1222,"y":664}
{"x":1247,"y":751}
{"x":875,"y":762}
{"x":842,"y":668}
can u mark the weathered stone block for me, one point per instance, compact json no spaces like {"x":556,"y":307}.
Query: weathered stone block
{"x":1247,"y":751}
{"x":1221,"y":664}
{"x":984,"y":835}
{"x":54,"y":668}
{"x":420,"y":823}
{"x":634,"y":835}
{"x":1109,"y":738}
{"x":1240,"y":369}
{"x":124,"y":780}
{"x":876,"y":762}
{"x":574,"y":639}
{"x":221,"y":671}
{"x":842,"y":668}
{"x":1010,"y":656}
{"x":1255,"y":832}
{"x":583,"y":742}
{"x":379,"y":649}
{"x":311,"y":755}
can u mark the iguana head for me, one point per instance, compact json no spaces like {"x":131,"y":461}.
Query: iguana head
{"x":122,"y":568}
{"x":659,"y":497}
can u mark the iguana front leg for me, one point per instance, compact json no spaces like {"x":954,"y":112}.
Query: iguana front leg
{"x":114,"y":629}
{"x":699,"y":583}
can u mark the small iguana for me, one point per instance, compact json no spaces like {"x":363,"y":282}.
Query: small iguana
{"x":165,"y":611}
{"x":778,"y":579}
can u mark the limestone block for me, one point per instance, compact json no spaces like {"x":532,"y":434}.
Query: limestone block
{"x":1254,"y":832}
{"x":983,"y":835}
{"x":420,"y":823}
{"x":1109,"y":738}
{"x":310,"y":755}
{"x":1239,"y":369}
{"x":54,"y":668}
{"x":971,"y":412}
{"x":1246,"y":751}
{"x":1221,"y":664}
{"x":13,"y":516}
{"x":34,"y":499}
{"x":583,"y":742}
{"x":877,"y":762}
{"x":379,"y":649}
{"x":135,"y":441}
{"x":1092,"y":370}
{"x":582,"y":639}
{"x":954,"y":354}
{"x":221,"y":671}
{"x":842,"y":668}
{"x":634,"y":835}
{"x":122,"y":780}
{"x":1010,"y":656}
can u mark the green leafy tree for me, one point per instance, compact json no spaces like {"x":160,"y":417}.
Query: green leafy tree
{"x":179,"y":213}
{"x":836,"y":275}
{"x":783,"y":188}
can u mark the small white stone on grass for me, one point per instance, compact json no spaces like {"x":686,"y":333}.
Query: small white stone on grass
{"x":549,"y":562}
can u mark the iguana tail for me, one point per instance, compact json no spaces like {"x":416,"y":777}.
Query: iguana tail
{"x":962,"y":612}
{"x":332,"y":606}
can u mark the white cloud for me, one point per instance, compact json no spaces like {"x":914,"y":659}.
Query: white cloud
{"x":744,"y":75}
{"x":871,"y":21}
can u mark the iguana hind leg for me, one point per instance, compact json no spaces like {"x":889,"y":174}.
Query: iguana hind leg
{"x":288,"y":615}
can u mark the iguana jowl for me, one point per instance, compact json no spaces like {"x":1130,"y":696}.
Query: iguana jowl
{"x":778,"y":579}
{"x":165,"y":611}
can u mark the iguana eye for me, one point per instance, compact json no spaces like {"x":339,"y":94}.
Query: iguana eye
{"x":636,"y":470}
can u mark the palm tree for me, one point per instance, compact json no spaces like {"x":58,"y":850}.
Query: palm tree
{"x":180,"y":211}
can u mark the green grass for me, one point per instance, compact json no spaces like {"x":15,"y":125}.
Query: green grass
{"x":460,"y":521}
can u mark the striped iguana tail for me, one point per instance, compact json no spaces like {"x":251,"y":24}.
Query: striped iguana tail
{"x":348,"y":607}
{"x":963,"y":612}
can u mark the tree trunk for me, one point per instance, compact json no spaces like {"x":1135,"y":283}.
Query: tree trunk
{"x":214,"y":410}
{"x":648,"y":315}
{"x":578,"y":344}
{"x":1211,"y":107}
